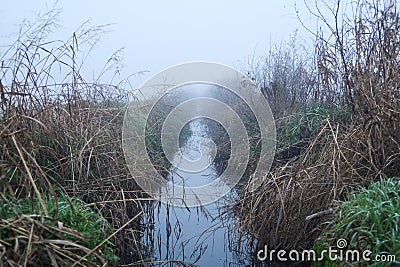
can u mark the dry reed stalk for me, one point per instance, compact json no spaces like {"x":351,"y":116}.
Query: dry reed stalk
{"x":58,"y":130}
{"x":361,"y":66}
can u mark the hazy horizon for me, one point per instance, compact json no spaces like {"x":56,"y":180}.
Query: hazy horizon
{"x":157,"y":34}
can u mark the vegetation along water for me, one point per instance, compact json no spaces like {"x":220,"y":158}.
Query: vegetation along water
{"x":67,"y":197}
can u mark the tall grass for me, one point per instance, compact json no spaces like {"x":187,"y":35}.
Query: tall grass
{"x":358,"y":68}
{"x":59,"y":130}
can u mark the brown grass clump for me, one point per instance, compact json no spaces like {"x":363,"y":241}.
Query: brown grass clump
{"x":362,"y":62}
{"x":62,"y":138}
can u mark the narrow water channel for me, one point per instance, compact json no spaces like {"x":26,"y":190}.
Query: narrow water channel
{"x":177,"y":236}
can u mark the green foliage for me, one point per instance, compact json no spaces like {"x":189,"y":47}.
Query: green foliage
{"x":369,"y":220}
{"x":325,"y":262}
{"x":303,"y":123}
{"x":88,"y":228}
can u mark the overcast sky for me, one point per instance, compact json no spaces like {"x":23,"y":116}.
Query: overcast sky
{"x":156,"y":34}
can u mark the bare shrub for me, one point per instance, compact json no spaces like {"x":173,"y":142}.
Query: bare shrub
{"x":286,"y":77}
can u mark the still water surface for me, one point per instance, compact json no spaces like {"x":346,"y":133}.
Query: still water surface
{"x":198,"y":236}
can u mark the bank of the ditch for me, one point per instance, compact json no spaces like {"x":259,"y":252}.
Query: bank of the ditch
{"x":60,"y":148}
{"x":358,"y":73}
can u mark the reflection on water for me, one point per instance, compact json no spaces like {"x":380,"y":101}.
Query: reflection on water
{"x":199,"y":150}
{"x":195,"y":235}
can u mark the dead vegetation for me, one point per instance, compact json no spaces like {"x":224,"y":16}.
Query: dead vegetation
{"x":61,"y":135}
{"x":358,"y":68}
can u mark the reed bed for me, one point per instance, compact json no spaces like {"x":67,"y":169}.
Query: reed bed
{"x":358,"y":70}
{"x":60,"y":135}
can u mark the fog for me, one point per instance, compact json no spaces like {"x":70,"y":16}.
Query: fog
{"x":156,"y":34}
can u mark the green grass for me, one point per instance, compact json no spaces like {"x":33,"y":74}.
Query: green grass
{"x":88,"y":228}
{"x":305,"y":121}
{"x":369,"y":219}
{"x":318,"y":247}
